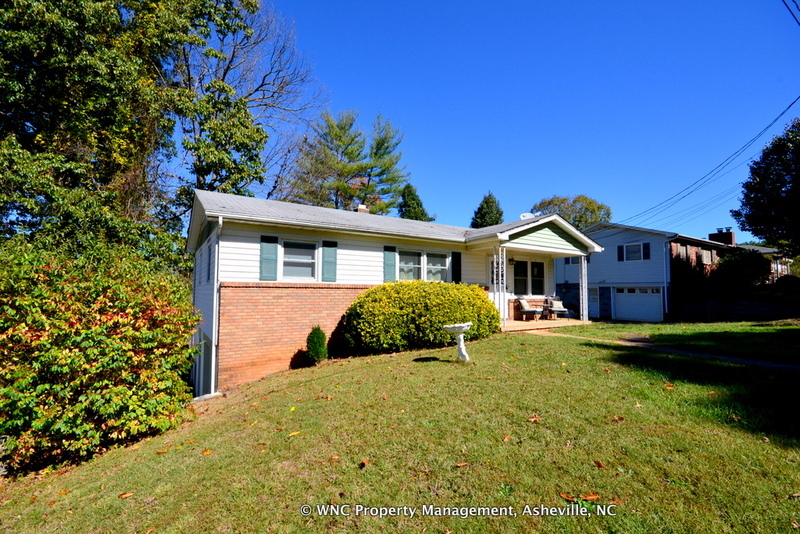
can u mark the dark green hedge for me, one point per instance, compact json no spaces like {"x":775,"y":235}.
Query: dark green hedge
{"x":410,"y":315}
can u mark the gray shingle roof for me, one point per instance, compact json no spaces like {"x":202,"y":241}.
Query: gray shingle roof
{"x":273,"y":211}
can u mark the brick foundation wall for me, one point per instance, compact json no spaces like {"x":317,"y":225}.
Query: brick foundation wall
{"x":262,"y":325}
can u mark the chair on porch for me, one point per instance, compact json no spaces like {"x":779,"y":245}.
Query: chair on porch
{"x":526,"y":309}
{"x":556,"y":307}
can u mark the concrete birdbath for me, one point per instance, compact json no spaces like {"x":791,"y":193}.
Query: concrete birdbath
{"x":459,"y":330}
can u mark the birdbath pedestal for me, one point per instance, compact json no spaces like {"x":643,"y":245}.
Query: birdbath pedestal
{"x":459,"y":330}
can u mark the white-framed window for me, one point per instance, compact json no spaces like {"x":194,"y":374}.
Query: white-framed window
{"x":706,"y":256}
{"x":299,"y":260}
{"x":528,"y":277}
{"x":422,"y":265}
{"x":633,"y":252}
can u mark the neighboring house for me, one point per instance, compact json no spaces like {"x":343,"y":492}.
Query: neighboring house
{"x":266,"y":272}
{"x":643,"y":274}
{"x":779,"y":263}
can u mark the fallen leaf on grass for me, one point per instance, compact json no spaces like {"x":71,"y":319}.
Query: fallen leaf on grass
{"x":667,"y":385}
{"x":293,"y":408}
{"x":599,"y":464}
{"x":207,"y":452}
{"x":534,"y":418}
{"x":591,"y":497}
{"x":638,"y":405}
{"x":162,"y":452}
{"x":794,"y":496}
{"x":125,"y":495}
{"x":334,"y":458}
{"x":462,"y":464}
{"x":567,"y":497}
{"x":63,"y":492}
{"x":616,"y":502}
{"x":507,"y":437}
{"x":618,"y":418}
{"x":607,"y":370}
{"x":795,"y":524}
{"x":294,"y":433}
{"x":364,"y":463}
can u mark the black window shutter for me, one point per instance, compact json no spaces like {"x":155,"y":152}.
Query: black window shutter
{"x":645,"y":251}
{"x":455,"y":262}
{"x":620,"y":253}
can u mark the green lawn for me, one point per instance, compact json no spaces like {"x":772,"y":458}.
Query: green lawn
{"x":678,"y":445}
{"x":774,"y":341}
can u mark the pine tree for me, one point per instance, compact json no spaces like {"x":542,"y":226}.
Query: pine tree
{"x":411,"y":207}
{"x":337,"y":168}
{"x":488,"y":213}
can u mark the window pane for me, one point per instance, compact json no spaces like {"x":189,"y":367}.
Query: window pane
{"x":293,"y":269}
{"x":537,"y":278}
{"x":299,"y":251}
{"x":437,"y":267}
{"x":633,"y":252}
{"x":521,"y":278}
{"x":410,"y":265}
{"x":298,"y":260}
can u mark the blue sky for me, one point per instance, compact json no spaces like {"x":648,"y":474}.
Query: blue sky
{"x":626,"y":101}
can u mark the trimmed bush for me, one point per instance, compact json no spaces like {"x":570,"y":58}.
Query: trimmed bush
{"x":410,"y":315}
{"x":92,"y":352}
{"x":316,"y":345}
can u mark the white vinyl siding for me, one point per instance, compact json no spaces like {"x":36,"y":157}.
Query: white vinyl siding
{"x":606,"y":270}
{"x":203,"y":289}
{"x":359,"y":258}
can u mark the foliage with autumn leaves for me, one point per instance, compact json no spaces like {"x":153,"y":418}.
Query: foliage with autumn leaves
{"x":93,"y":351}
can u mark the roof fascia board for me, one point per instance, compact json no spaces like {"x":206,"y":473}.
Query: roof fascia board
{"x":560,"y":253}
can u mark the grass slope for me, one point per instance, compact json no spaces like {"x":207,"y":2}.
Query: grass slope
{"x":678,"y":445}
{"x":773,"y":341}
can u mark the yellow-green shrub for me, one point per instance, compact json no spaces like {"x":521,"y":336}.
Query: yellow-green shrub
{"x":410,"y":315}
{"x":92,"y":352}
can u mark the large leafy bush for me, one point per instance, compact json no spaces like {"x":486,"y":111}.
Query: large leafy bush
{"x":92,"y":351}
{"x":410,"y":315}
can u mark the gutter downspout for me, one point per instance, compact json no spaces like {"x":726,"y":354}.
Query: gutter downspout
{"x":215,"y":341}
{"x":667,"y":258}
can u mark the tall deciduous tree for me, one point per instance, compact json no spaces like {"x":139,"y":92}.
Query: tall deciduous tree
{"x":410,"y":206}
{"x":246,"y":85}
{"x":338,"y":167}
{"x":488,"y":212}
{"x":771,"y":194}
{"x":580,"y":211}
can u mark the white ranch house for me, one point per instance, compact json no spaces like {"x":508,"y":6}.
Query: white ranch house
{"x":266,"y":272}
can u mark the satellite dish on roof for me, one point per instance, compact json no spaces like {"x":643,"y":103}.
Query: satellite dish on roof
{"x":525,"y":216}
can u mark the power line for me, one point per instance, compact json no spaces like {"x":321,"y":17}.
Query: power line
{"x":708,"y":177}
{"x":792,"y":12}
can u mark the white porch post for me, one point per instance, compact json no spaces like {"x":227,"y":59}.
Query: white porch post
{"x":583,"y":290}
{"x":499,"y":282}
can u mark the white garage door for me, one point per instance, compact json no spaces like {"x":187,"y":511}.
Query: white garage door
{"x":638,"y":304}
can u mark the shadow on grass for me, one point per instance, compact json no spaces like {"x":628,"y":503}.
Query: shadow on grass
{"x":773,"y":345}
{"x":429,"y":359}
{"x":759,"y":400}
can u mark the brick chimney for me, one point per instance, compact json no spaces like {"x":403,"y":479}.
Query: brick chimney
{"x":723,"y":235}
{"x":362,"y":209}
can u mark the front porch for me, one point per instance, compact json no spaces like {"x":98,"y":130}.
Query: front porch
{"x":539,"y":324}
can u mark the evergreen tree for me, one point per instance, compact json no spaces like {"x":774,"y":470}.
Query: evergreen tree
{"x":488,"y":213}
{"x":336,"y":168}
{"x":411,"y":207}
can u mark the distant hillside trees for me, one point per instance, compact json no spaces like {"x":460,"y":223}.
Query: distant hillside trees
{"x":580,"y":211}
